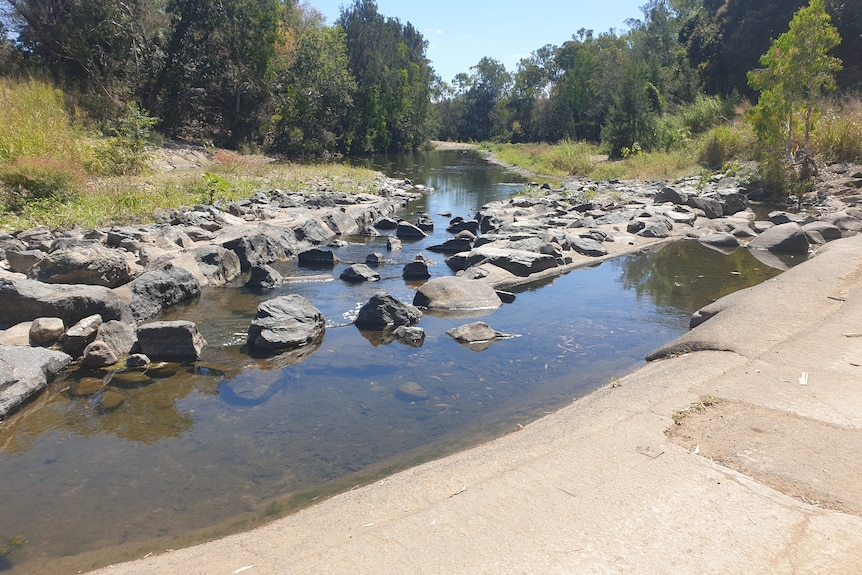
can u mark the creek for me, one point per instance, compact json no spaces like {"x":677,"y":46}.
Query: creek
{"x":199,"y":450}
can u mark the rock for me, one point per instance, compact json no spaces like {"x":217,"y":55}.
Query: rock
{"x":45,"y":330}
{"x":407,"y":231}
{"x":263,"y":277}
{"x":846,"y":222}
{"x":24,"y":372}
{"x":732,"y":200}
{"x":20,"y":261}
{"x":383,"y":311}
{"x":318,"y":258}
{"x":475,"y":335}
{"x":710,"y":206}
{"x":86,"y":386}
{"x":80,"y":335}
{"x":258,"y":247}
{"x":110,"y":401}
{"x":672,"y":195}
{"x":137,"y":360}
{"x":416,"y":271}
{"x":456,"y":294}
{"x":827,"y":231}
{"x":375,"y":260}
{"x":120,"y":336}
{"x":170,"y":340}
{"x":719,"y":239}
{"x":459,"y":224}
{"x":784,"y":238}
{"x":25,"y":300}
{"x":98,"y":354}
{"x":518,"y":262}
{"x":587,"y":247}
{"x":425,"y":223}
{"x":411,"y":391}
{"x":82,"y":262}
{"x":393,"y":244}
{"x":284,"y":323}
{"x":156,"y":290}
{"x":359,"y":273}
{"x":452,"y":246}
{"x":412,"y":336}
{"x":219,"y":265}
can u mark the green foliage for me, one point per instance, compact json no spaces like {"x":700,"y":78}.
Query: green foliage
{"x":213,"y":187}
{"x":724,"y":144}
{"x":125,"y":151}
{"x":29,"y":180}
{"x":839,"y":133}
{"x":10,"y":545}
{"x":632,"y":121}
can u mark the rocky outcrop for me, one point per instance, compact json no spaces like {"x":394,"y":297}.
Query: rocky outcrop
{"x":24,"y":372}
{"x":285,"y":323}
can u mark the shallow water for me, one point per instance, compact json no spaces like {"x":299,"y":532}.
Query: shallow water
{"x":202,"y":449}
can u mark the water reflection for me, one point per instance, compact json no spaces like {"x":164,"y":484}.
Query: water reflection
{"x":233,"y":436}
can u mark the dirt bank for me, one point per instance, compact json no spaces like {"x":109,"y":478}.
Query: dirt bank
{"x":603,"y":487}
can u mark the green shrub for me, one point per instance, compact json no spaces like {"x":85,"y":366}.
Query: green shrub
{"x":28,"y":180}
{"x":125,"y":150}
{"x":706,"y":112}
{"x":725,"y":144}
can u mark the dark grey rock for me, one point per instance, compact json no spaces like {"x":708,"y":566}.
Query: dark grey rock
{"x":20,"y":261}
{"x":263,"y":277}
{"x":170,"y":340}
{"x":416,"y":271}
{"x":459,"y":224}
{"x":719,"y":239}
{"x":284,"y":323}
{"x":407,"y":231}
{"x":137,"y":360}
{"x":157,"y":290}
{"x":24,"y":372}
{"x":412,"y":336}
{"x":710,"y":206}
{"x":477,"y":336}
{"x":521,"y":263}
{"x":219,"y":265}
{"x":375,"y":260}
{"x":383,"y":311}
{"x":259,"y":247}
{"x":393,"y":244}
{"x":25,"y":300}
{"x":452,"y":246}
{"x":784,"y":238}
{"x":456,"y":294}
{"x":827,"y":231}
{"x":318,"y":258}
{"x":386,"y":224}
{"x":359,"y":273}
{"x":672,"y":195}
{"x":587,"y":247}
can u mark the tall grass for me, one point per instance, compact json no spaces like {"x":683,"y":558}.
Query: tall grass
{"x":34,"y":123}
{"x":838,"y":137}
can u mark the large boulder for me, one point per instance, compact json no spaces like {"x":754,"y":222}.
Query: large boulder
{"x":219,"y":265}
{"x":359,"y":273}
{"x":284,"y":323}
{"x":407,"y":231}
{"x":82,"y":262}
{"x":383,"y":312}
{"x":25,"y":300}
{"x":710,"y":206}
{"x":263,"y":277}
{"x":156,"y":290}
{"x":261,"y":246}
{"x":170,"y":340}
{"x":452,"y":293}
{"x":24,"y":372}
{"x":786,"y":238}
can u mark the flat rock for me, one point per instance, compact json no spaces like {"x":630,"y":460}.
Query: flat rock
{"x":456,"y":294}
{"x":26,"y":300}
{"x":24,"y":372}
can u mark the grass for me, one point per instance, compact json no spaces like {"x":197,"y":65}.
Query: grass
{"x":583,"y":159}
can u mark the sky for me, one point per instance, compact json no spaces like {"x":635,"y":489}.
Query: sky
{"x":462,"y":32}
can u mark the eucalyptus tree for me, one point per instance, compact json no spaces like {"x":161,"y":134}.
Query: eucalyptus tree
{"x":393,"y":80}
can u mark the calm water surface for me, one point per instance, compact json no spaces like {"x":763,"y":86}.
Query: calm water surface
{"x":203,"y":449}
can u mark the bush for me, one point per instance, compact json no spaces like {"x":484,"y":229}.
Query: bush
{"x":706,"y":112}
{"x":125,"y":150}
{"x":27,"y":180}
{"x":725,"y":144}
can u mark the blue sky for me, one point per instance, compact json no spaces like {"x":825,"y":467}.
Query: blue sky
{"x":461,"y":32}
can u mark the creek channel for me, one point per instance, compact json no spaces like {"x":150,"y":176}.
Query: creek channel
{"x":200,"y":450}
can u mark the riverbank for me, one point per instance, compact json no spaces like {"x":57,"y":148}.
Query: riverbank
{"x":611,"y":483}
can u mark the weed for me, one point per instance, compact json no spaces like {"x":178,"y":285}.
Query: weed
{"x":701,"y":406}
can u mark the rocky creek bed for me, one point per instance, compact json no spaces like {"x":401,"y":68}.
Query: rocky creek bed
{"x":92,"y":299}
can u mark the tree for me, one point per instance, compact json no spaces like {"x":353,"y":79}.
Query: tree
{"x":797,"y":70}
{"x":313,"y":91}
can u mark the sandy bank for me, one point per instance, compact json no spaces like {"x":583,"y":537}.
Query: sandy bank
{"x":600,"y":487}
